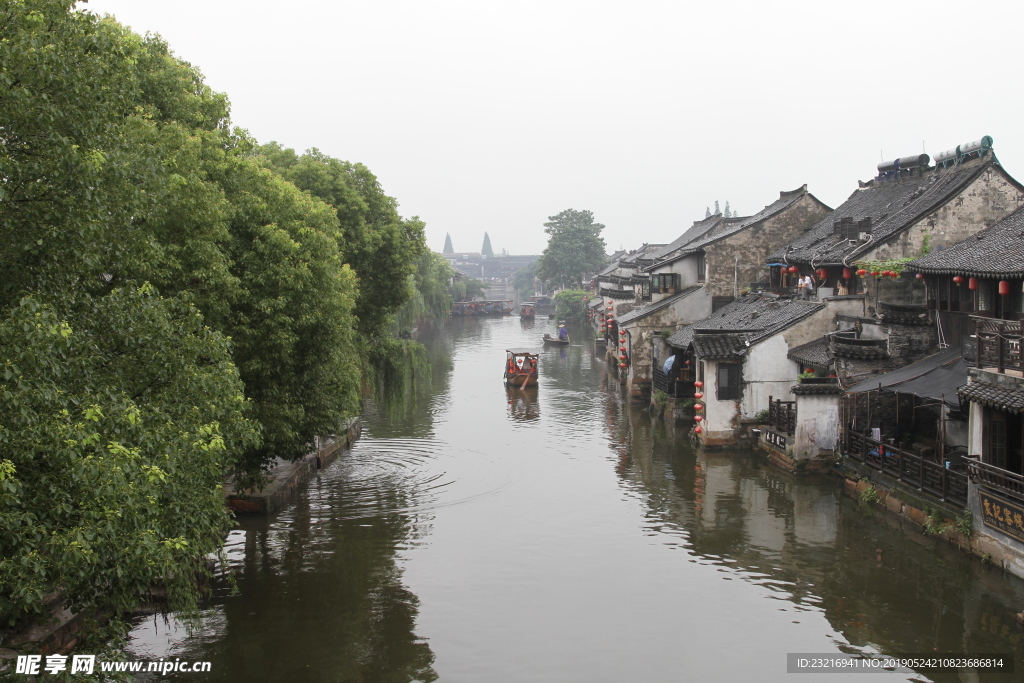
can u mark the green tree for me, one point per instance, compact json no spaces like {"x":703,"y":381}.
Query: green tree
{"x":432,"y":301}
{"x":717,"y":210}
{"x":707,"y":212}
{"x":570,"y":304}
{"x":575,"y":248}
{"x":118,"y":419}
{"x":523,"y":279}
{"x":380,"y":246}
{"x":448,"y":249}
{"x":486,"y":249}
{"x":728,"y":211}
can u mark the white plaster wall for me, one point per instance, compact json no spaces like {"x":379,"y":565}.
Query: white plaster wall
{"x":767,"y":372}
{"x":817,"y":427}
{"x":718,"y":415}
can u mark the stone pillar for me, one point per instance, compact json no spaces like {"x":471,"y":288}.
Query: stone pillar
{"x":817,"y":420}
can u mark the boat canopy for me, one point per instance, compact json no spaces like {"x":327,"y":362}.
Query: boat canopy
{"x":522,"y":352}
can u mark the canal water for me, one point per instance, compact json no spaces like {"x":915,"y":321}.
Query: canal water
{"x":561,"y":534}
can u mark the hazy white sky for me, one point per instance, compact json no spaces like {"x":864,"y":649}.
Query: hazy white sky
{"x":493,"y":116}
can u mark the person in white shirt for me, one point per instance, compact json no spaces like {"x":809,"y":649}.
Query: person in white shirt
{"x":806,"y":287}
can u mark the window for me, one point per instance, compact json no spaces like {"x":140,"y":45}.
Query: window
{"x":645,"y":290}
{"x":702,"y":267}
{"x":1003,"y":440}
{"x":728,"y":381}
{"x":662,"y":283}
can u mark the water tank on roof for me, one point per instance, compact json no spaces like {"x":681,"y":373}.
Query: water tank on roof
{"x":981,"y":145}
{"x":911,"y":161}
{"x":947,"y":155}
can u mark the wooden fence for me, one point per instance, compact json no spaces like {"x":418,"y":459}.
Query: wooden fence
{"x":927,"y":475}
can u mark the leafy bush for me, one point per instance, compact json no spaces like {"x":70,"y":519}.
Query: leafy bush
{"x":660,"y":399}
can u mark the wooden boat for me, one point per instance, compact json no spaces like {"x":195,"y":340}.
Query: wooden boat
{"x":554,"y":341}
{"x":527,"y":310}
{"x":521,"y":368}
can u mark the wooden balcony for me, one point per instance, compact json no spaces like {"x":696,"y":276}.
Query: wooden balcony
{"x":999,"y":344}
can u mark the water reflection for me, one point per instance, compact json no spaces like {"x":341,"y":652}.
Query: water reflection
{"x":522,"y":404}
{"x":882,"y":587}
{"x":478,"y":537}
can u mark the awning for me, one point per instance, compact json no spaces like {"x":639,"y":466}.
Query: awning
{"x":936,"y":377}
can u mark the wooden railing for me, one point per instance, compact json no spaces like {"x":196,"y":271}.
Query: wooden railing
{"x":999,"y":344}
{"x":995,"y":477}
{"x":674,"y":388}
{"x":908,"y":467}
{"x":782,"y":415}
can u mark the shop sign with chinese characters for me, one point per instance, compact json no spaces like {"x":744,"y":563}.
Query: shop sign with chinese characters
{"x":1002,"y":515}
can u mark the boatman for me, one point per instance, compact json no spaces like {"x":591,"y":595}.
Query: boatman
{"x":563,"y":334}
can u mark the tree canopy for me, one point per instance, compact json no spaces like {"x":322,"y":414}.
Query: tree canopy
{"x":178,"y":304}
{"x":575,"y":248}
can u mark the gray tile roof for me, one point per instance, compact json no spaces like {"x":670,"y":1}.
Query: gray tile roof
{"x":644,"y":311}
{"x":697,"y":230}
{"x":715,"y":228}
{"x":752,"y":318}
{"x":813,"y":353}
{"x":720,"y":345}
{"x":1010,"y":400}
{"x":892,"y":205}
{"x":995,"y":251}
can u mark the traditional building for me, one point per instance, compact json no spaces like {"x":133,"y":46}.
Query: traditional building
{"x":980,"y":277}
{"x":909,"y":208}
{"x":740,"y":354}
{"x":708,"y":266}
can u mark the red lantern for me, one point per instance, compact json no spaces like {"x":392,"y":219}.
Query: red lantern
{"x":1004,"y":287}
{"x":957,"y":279}
{"x":697,"y":418}
{"x":698,"y":384}
{"x":920,"y":276}
{"x":698,"y":406}
{"x":792,"y":269}
{"x":697,"y":430}
{"x":699,"y":395}
{"x":875,"y":273}
{"x":847,"y":273}
{"x":622,"y":348}
{"x":822,"y":274}
{"x":622,"y":357}
{"x":862,"y":272}
{"x":622,"y":365}
{"x":972,"y":283}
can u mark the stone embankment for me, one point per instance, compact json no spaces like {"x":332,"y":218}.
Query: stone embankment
{"x":287,"y":476}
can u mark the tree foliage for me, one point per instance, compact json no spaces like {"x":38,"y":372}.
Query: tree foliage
{"x":380,"y":246}
{"x":575,"y":248}
{"x":117,"y":420}
{"x":523,"y":279}
{"x":570,"y":304}
{"x":177,"y":303}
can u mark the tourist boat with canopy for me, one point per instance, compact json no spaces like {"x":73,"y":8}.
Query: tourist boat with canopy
{"x":521,"y":368}
{"x":527,"y":311}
